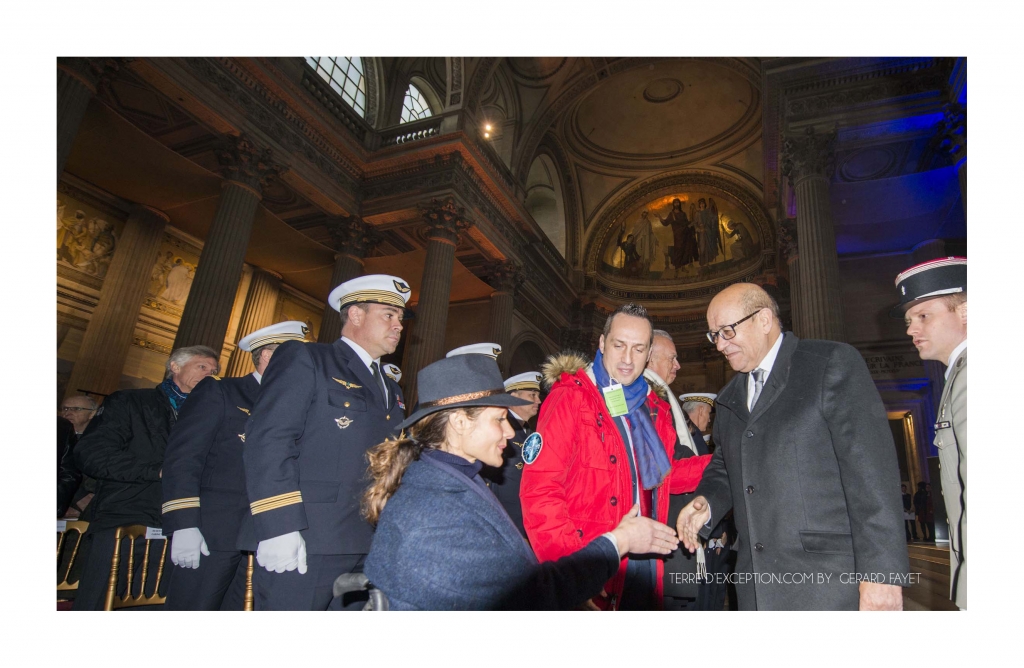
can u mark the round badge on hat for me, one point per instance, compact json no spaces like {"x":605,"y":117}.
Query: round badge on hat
{"x":492,"y":350}
{"x":934,"y":278}
{"x":531,"y":447}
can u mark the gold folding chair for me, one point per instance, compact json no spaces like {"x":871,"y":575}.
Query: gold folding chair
{"x":249,"y":606}
{"x":113,"y":601}
{"x":62,"y":542}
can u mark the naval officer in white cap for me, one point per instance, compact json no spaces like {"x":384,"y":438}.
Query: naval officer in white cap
{"x":491,"y":350}
{"x":321,"y":407}
{"x":204,"y":501}
{"x":504,"y":481}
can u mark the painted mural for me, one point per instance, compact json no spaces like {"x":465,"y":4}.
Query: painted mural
{"x":173,"y":271}
{"x":86,"y":237}
{"x":684,"y":236}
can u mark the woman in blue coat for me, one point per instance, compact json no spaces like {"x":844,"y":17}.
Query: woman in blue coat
{"x":443,"y":541}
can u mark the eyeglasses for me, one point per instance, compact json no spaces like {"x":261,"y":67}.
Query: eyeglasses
{"x":66,"y":409}
{"x":729,"y":331}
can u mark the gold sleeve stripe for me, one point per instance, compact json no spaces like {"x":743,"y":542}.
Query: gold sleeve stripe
{"x":275,"y":502}
{"x":180,"y":504}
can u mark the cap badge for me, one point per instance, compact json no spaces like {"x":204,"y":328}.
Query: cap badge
{"x":903,"y":289}
{"x":496,"y":351}
{"x":401,"y":287}
{"x":531,"y":447}
{"x":347,"y":385}
{"x":343,"y":422}
{"x":305,"y":332}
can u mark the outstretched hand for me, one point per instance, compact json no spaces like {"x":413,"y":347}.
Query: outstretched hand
{"x":642,"y":535}
{"x":691,"y":520}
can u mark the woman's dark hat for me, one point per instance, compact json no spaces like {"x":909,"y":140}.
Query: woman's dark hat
{"x":934,"y":278}
{"x":459,"y":382}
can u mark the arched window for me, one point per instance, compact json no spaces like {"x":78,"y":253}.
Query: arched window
{"x":414,"y":106}
{"x":345,"y":76}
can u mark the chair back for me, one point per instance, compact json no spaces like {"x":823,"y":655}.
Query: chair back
{"x":64,"y":570}
{"x":113,"y":601}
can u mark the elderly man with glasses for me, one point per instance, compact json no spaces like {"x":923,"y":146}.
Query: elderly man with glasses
{"x":73,"y":493}
{"x":806,"y":461}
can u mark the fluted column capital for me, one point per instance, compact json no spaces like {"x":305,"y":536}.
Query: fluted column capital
{"x":242,"y":161}
{"x":808,"y":154}
{"x":351,"y":235}
{"x":445,"y":219}
{"x":505,"y":276}
{"x":951,"y":133}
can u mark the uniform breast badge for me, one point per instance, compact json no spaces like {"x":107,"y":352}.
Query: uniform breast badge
{"x":242,"y":437}
{"x":244,"y":410}
{"x":347,"y":385}
{"x":344,"y":422}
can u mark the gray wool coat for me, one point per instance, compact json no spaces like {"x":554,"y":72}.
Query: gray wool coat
{"x":813,"y":478}
{"x":443,"y":542}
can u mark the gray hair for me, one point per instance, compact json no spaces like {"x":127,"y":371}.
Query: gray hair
{"x":181,"y":356}
{"x":259,"y":351}
{"x":663,"y":334}
{"x":690,"y":406}
{"x":631,"y":309}
{"x":89,"y":400}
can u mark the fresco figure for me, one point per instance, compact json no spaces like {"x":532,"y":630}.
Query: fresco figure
{"x":631,"y":265}
{"x":744,"y":246}
{"x":684,"y":247}
{"x":709,"y":236}
{"x":646,"y":243}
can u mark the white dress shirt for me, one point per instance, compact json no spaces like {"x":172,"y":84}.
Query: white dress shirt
{"x":258,"y":376}
{"x":766,"y":364}
{"x":952,"y":357}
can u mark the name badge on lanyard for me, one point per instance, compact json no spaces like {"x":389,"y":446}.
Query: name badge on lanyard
{"x":615,"y":400}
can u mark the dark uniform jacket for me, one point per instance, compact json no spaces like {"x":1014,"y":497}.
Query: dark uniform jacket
{"x":319,"y":410}
{"x":204,"y":482}
{"x":812,"y":478}
{"x":504,"y":481}
{"x":123,"y":449}
{"x":68,"y":475}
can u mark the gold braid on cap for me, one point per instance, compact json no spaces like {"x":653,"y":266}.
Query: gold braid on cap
{"x":470,"y":396}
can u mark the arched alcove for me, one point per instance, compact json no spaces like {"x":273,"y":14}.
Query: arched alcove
{"x":528,"y":356}
{"x":545,"y":202}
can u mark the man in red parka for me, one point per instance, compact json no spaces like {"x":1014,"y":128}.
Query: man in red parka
{"x":604,"y":445}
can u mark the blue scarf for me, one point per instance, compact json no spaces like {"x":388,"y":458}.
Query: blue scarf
{"x":651,"y":460}
{"x":174,"y":394}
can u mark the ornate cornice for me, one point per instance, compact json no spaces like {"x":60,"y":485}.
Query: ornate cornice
{"x":94,"y":73}
{"x":505,"y":276}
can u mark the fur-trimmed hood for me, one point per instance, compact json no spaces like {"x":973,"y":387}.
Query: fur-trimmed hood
{"x":567,"y":361}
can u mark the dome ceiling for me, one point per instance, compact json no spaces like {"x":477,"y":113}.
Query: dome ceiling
{"x":667,"y":111}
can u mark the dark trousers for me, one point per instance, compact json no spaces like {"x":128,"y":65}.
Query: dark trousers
{"x":927,"y":530}
{"x":911,"y":528}
{"x":638,"y":589}
{"x":218,"y":583}
{"x":711,"y":595}
{"x":312,"y":590}
{"x":98,"y":549}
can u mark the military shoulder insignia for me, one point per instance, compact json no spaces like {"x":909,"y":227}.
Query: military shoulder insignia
{"x":531,"y":447}
{"x":343,"y":422}
{"x":242,"y":437}
{"x":347,"y":385}
{"x":943,"y":425}
{"x":216,"y":377}
{"x":401,"y":287}
{"x":244,"y":410}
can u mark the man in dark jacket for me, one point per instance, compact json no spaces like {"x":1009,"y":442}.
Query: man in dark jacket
{"x":68,"y":476}
{"x":204,"y":482}
{"x":123,"y":449}
{"x":806,"y":460}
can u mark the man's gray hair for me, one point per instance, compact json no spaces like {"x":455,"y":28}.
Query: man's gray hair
{"x":631,"y":309}
{"x":89,"y":400}
{"x":259,"y":351}
{"x":690,"y":406}
{"x":181,"y":356}
{"x":663,"y":334}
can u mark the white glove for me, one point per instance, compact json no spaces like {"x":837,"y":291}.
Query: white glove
{"x":283,"y":553}
{"x":186,"y":544}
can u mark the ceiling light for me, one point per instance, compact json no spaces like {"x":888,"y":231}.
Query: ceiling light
{"x":487,"y":127}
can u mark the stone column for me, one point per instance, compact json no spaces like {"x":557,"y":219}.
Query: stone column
{"x":952,"y":138}
{"x":504,"y":277}
{"x":445,"y":221}
{"x":77,"y":81}
{"x":789,"y":250}
{"x":204,"y":320}
{"x":108,"y":337}
{"x":808,"y":162}
{"x":258,"y":312}
{"x":353,"y":239}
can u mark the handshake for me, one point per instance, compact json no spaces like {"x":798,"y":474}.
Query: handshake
{"x":692,"y":518}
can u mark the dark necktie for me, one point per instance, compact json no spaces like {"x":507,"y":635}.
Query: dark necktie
{"x":758,"y":375}
{"x":380,"y":382}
